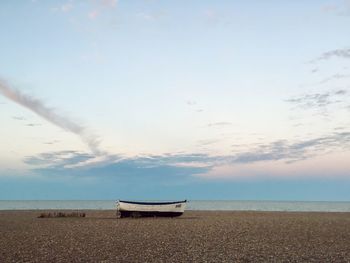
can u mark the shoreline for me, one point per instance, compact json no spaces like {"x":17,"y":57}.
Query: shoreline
{"x":211,"y":236}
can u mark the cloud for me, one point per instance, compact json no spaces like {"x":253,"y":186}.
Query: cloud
{"x":260,"y":160}
{"x":318,"y":100}
{"x":40,"y":108}
{"x":33,"y":124}
{"x":73,"y":159}
{"x":324,"y":101}
{"x":58,"y":159}
{"x":311,"y":100}
{"x":159,"y":168}
{"x":52,"y":142}
{"x":341,"y":92}
{"x":295,"y":151}
{"x":334,"y":77}
{"x":288,"y":151}
{"x":191,"y":102}
{"x":207,"y":142}
{"x":336,"y":53}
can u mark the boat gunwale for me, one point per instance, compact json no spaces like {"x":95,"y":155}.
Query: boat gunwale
{"x":152,"y":203}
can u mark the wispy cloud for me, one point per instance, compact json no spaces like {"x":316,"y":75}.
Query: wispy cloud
{"x":21,"y":118}
{"x":161,"y":168}
{"x":312,"y":100}
{"x":86,"y":164}
{"x":191,"y":102}
{"x":33,"y":124}
{"x":194,"y":104}
{"x":73,"y":159}
{"x":326,"y":102}
{"x":59,"y":159}
{"x":318,"y":100}
{"x":207,"y":142}
{"x":279,"y":150}
{"x":336,"y":53}
{"x":341,"y":92}
{"x":52,"y":142}
{"x":334,"y":77}
{"x":40,"y":108}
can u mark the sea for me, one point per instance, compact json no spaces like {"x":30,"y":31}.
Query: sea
{"x":206,"y":205}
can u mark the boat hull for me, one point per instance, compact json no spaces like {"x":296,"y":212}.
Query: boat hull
{"x":136,"y":214}
{"x":150,"y":209}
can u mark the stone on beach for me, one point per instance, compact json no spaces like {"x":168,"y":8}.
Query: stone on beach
{"x":193,"y":237}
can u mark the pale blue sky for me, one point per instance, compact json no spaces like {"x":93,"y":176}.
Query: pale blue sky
{"x":180,"y":95}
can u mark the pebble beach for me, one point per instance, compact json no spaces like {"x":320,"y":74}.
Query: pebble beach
{"x":197,"y":236}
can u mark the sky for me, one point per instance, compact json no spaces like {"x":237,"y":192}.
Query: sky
{"x":152,"y":99}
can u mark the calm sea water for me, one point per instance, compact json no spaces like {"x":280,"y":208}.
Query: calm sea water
{"x":191,"y":205}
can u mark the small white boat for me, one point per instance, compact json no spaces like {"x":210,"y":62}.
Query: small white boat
{"x":140,"y":209}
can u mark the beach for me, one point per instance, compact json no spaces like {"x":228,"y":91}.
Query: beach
{"x":197,"y":236}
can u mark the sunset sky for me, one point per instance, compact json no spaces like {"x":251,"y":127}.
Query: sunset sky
{"x":151,"y":99}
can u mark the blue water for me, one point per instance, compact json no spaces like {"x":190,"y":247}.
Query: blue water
{"x":191,"y":205}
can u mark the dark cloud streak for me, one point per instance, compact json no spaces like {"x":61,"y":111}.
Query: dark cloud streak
{"x":39,"y":107}
{"x":336,"y":53}
{"x":33,"y":124}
